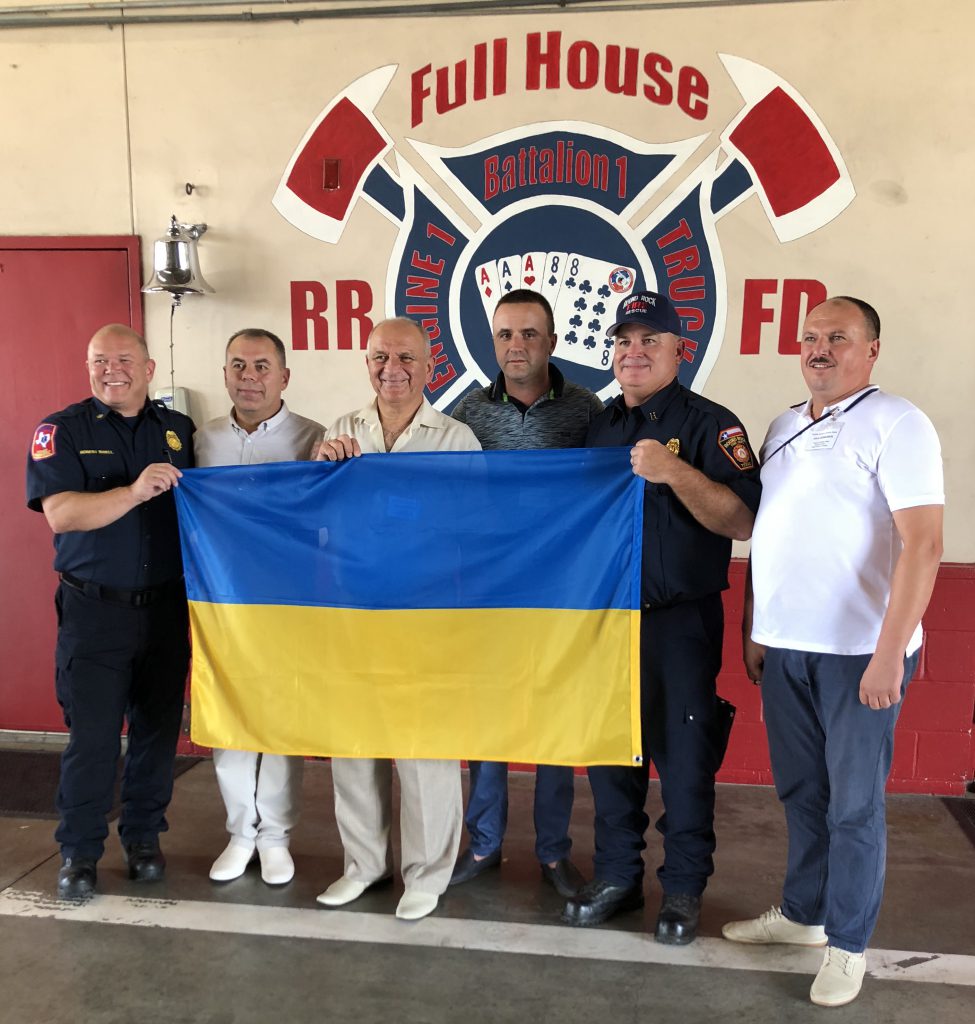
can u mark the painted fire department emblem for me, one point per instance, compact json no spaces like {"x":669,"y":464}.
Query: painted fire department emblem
{"x":561,"y":208}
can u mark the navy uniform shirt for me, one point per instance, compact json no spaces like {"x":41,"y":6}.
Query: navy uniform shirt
{"x":88,"y":447}
{"x":682,"y":560}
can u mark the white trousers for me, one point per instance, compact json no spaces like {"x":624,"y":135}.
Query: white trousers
{"x":431,"y":816}
{"x":261,"y":793}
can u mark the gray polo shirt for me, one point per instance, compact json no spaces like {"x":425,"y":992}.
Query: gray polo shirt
{"x":285,"y":437}
{"x":558,"y":419}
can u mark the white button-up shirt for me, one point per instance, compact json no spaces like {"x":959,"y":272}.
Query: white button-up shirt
{"x":285,"y":437}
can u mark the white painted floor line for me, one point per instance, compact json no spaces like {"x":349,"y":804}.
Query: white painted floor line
{"x":464,"y":934}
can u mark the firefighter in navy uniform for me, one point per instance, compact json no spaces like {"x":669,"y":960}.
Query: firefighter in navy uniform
{"x":702,"y":491}
{"x":102,"y":472}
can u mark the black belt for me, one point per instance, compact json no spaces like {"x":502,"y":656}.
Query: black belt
{"x":133,"y":598}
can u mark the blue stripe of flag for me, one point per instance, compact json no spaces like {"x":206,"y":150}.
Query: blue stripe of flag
{"x":535,"y":529}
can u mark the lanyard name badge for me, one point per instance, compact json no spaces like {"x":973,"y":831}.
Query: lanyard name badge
{"x":824,"y":434}
{"x":825,"y":429}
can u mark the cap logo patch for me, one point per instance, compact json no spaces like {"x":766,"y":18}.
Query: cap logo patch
{"x":42,"y":447}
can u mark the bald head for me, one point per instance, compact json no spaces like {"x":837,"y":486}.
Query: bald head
{"x":119,"y":368}
{"x":120,"y":331}
{"x":400,"y":325}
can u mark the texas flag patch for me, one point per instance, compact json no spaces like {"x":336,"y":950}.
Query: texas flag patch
{"x":42,"y":447}
{"x":735,"y":445}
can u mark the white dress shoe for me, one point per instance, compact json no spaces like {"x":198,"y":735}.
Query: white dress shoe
{"x":232,"y":863}
{"x":415,"y":904}
{"x":343,"y":890}
{"x":839,"y":979}
{"x":277,"y":867}
{"x":774,"y":927}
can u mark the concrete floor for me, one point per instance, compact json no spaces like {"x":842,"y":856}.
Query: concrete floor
{"x":192,"y":951}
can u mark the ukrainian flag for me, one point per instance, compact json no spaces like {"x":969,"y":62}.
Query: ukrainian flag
{"x":459,"y":605}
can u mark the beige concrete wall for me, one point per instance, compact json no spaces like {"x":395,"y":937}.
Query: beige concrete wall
{"x":102,"y":128}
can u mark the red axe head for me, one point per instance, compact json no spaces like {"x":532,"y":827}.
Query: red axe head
{"x":796,"y":167}
{"x":327,"y":170}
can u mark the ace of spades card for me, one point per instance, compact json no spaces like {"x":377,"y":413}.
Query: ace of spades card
{"x":509,"y":273}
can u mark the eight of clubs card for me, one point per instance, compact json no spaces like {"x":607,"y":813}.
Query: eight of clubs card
{"x":591,"y":290}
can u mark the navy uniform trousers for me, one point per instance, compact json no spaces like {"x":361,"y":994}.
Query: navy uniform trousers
{"x":685,"y":737}
{"x":116,"y":662}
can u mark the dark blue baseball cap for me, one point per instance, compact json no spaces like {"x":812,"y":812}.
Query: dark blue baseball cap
{"x":648,"y":309}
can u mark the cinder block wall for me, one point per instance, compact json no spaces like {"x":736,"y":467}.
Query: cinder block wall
{"x":934,"y":750}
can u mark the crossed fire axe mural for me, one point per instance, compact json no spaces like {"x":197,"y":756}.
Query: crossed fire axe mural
{"x":775,"y":147}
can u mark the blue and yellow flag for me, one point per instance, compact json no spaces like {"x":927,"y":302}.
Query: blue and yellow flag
{"x":478,"y":605}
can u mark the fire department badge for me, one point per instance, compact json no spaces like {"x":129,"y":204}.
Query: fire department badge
{"x":735,"y":445}
{"x":42,"y":447}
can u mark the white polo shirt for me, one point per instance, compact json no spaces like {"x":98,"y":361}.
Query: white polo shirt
{"x":824,"y":545}
{"x":285,"y":437}
{"x":429,"y":431}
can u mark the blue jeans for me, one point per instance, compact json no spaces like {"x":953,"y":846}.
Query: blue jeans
{"x":487,"y":809}
{"x":831,"y":757}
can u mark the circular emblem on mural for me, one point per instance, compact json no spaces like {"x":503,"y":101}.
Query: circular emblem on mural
{"x":621,"y":280}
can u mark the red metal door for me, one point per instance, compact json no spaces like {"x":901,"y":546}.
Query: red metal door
{"x":54,"y":294}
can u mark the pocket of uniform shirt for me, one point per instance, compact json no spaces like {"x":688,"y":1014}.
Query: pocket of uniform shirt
{"x":104,"y":468}
{"x":103,"y":482}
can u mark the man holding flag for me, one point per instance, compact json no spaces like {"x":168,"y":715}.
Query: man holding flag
{"x":103,"y":472}
{"x":399,"y":419}
{"x":260,"y":790}
{"x":702,"y":490}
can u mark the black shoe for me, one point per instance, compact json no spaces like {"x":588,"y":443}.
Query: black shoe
{"x":467,"y":867}
{"x":678,"y":919}
{"x":146,"y":861}
{"x":599,"y":901}
{"x":77,"y":878}
{"x":565,"y":878}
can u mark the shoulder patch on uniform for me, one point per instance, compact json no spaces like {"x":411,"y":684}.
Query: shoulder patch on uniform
{"x":42,"y":447}
{"x":734,"y":444}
